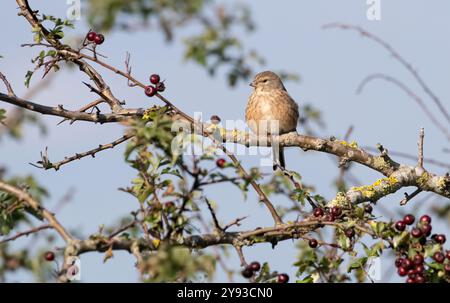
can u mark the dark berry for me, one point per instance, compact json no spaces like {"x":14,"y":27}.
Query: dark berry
{"x":400,"y":226}
{"x":420,"y":279}
{"x":150,"y":90}
{"x":416,"y":233}
{"x":440,"y":239}
{"x":215,"y":119}
{"x":368,"y":208}
{"x":425,"y":219}
{"x":410,"y":280}
{"x":439,"y":257}
{"x":426,"y":229}
{"x":409,"y":219}
{"x":447,"y":267}
{"x":336,"y":211}
{"x":318,"y":212}
{"x":402,"y":271}
{"x":350,"y":232}
{"x":91,"y":36}
{"x":282,"y":278}
{"x":154,"y":79}
{"x":447,"y":254}
{"x":399,"y":262}
{"x":247,"y":272}
{"x":313,"y":243}
{"x":330,"y":218}
{"x":407,"y":264}
{"x":160,"y":86}
{"x":220,"y":162}
{"x":412,"y":273}
{"x":420,"y":268}
{"x":255,"y":266}
{"x":99,"y":39}
{"x":49,"y":256}
{"x":418,"y":259}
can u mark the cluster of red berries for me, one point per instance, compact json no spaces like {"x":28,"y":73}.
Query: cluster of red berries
{"x":250,"y":270}
{"x":254,"y":267}
{"x":221,"y":162}
{"x":95,"y":38}
{"x":414,"y":267}
{"x":328,"y":214}
{"x":151,"y":90}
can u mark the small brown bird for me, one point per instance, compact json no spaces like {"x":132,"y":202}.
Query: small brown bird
{"x":271,"y":111}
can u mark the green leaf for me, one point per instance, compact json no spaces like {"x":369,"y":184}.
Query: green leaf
{"x":28,"y":78}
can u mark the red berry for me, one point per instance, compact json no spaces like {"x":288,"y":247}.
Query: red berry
{"x":420,"y":279}
{"x":410,"y":280}
{"x":318,"y":212}
{"x":426,"y":229}
{"x":399,"y":262}
{"x":99,"y":39}
{"x":447,"y":254}
{"x":220,"y":162}
{"x":247,"y":272}
{"x":154,"y":79}
{"x":418,"y":259}
{"x":425,"y":219}
{"x":407,"y":264}
{"x":440,"y":239}
{"x":336,"y":211}
{"x":350,"y":232}
{"x":447,"y":267}
{"x":368,"y":208}
{"x":400,"y":226}
{"x":91,"y":36}
{"x":282,"y":278}
{"x":416,"y":233}
{"x":160,"y":86}
{"x":313,"y":243}
{"x":402,"y":271}
{"x":412,"y":273}
{"x":255,"y":266}
{"x":409,"y":219}
{"x":420,"y":268}
{"x":49,"y":256}
{"x":439,"y":257}
{"x":150,"y":91}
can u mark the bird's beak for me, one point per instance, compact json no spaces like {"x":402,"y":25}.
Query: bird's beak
{"x":252,"y":84}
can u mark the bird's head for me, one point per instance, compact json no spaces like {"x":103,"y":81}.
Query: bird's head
{"x":267,"y":80}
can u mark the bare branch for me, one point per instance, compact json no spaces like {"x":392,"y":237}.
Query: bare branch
{"x":398,"y":57}
{"x":26,"y":233}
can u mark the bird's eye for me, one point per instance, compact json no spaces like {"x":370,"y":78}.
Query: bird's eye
{"x":265,"y":80}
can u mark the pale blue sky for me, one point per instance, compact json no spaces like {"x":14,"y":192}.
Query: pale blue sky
{"x":331,"y":64}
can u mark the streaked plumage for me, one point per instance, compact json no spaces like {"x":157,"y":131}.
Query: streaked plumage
{"x":268,"y":105}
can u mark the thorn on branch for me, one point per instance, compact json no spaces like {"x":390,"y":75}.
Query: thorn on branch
{"x":408,"y":197}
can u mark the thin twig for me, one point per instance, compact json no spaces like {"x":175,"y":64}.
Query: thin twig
{"x":408,"y":197}
{"x":35,"y":205}
{"x":410,"y":94}
{"x":26,"y":233}
{"x":8,"y":85}
{"x":398,"y":57}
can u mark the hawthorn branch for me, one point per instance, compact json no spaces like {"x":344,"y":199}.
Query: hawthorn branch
{"x":30,"y":15}
{"x":46,"y":164}
{"x":410,"y":94}
{"x":396,"y":56}
{"x":59,"y":111}
{"x":35,"y":205}
{"x":26,"y":233}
